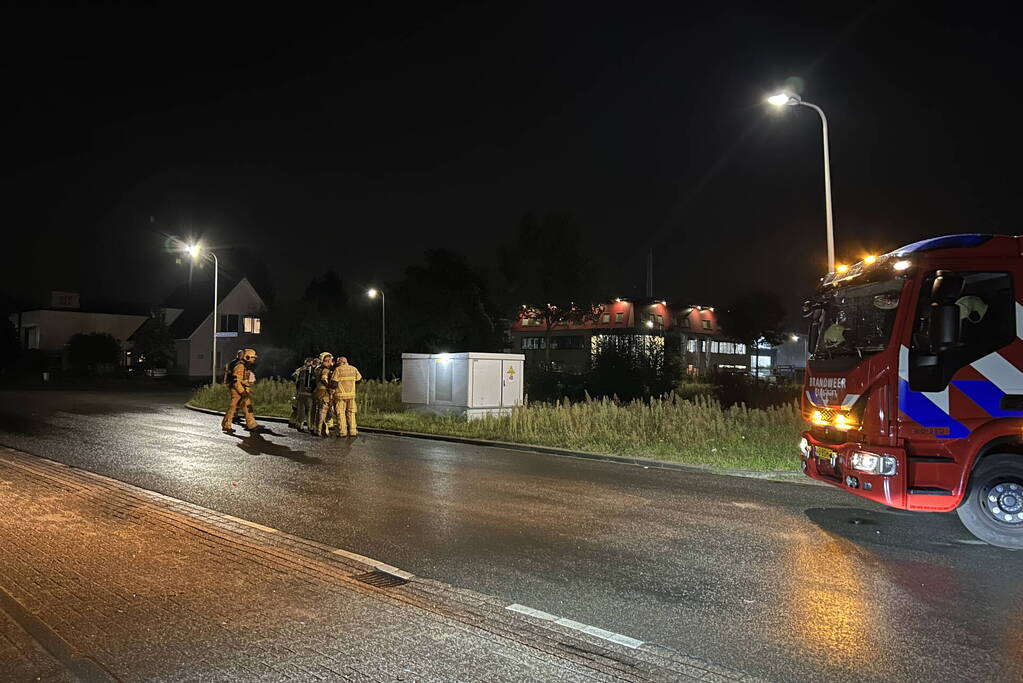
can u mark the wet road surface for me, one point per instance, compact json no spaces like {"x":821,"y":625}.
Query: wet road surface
{"x":785,"y":581}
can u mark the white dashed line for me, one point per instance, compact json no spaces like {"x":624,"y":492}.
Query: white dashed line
{"x":577,"y":626}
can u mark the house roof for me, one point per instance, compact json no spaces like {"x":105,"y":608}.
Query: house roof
{"x":89,"y":305}
{"x":196,"y":301}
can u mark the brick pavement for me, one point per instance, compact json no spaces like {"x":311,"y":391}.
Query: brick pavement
{"x":23,"y":658}
{"x":127,"y":584}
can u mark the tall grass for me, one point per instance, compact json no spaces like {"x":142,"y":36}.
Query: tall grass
{"x":694,"y":430}
{"x":274,"y":397}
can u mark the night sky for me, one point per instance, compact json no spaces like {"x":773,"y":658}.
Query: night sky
{"x":360,"y":138}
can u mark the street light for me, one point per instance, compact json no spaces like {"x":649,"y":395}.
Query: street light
{"x":372,"y":294}
{"x":196,"y":251}
{"x":786,"y":99}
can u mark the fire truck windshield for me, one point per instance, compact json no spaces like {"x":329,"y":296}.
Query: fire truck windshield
{"x":857,"y":319}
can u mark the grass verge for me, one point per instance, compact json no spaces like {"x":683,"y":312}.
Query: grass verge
{"x":693,"y":431}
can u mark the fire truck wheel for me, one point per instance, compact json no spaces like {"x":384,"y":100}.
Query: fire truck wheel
{"x":993,"y":507}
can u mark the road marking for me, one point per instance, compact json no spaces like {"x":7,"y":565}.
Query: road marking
{"x":269,"y":530}
{"x":394,"y":571}
{"x":577,"y":626}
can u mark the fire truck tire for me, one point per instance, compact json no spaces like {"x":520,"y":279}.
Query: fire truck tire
{"x":993,"y":507}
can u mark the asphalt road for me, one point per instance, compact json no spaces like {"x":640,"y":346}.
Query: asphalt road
{"x":785,"y":581}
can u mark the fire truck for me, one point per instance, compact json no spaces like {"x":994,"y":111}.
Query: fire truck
{"x":914,"y":385}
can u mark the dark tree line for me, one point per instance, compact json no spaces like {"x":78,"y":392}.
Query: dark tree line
{"x":445,"y":303}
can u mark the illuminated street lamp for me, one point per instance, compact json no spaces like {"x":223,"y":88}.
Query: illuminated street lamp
{"x":196,"y":252}
{"x":372,"y":294}
{"x":786,"y":99}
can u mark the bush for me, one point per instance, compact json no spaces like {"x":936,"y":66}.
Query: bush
{"x":94,"y":353}
{"x":735,"y":389}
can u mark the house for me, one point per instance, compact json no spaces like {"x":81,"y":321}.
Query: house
{"x":572,"y":345}
{"x":188,"y":313}
{"x":690,"y":331}
{"x":705,"y":349}
{"x":48,"y":329}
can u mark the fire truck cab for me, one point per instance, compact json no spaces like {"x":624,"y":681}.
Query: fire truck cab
{"x":914,"y":384}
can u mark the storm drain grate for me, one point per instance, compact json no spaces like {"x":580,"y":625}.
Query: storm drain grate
{"x":380,"y":579}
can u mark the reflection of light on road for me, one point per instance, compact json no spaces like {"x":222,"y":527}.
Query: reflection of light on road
{"x":828,"y":600}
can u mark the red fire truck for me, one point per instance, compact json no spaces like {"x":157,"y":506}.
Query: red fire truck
{"x":914,"y":385}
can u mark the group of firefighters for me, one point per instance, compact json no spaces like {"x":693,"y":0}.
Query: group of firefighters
{"x":324,"y":394}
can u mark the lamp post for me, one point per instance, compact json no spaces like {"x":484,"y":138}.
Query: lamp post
{"x":786,"y":99}
{"x":372,"y":294}
{"x":195,"y":251}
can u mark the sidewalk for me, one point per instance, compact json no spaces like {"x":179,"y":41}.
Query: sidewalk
{"x":119,"y":583}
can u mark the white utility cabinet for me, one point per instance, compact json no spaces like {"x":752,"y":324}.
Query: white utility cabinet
{"x":470,"y":384}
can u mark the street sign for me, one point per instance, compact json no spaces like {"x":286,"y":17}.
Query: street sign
{"x":225,"y":335}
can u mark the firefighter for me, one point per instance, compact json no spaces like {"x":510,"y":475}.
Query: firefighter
{"x":227,"y":376}
{"x":345,"y":376}
{"x":305,"y":382}
{"x":240,"y":384}
{"x":321,"y":394}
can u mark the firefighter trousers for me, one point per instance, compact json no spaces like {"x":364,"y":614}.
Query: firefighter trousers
{"x":344,"y":412}
{"x":323,"y":408}
{"x":304,"y":410}
{"x":240,"y":400}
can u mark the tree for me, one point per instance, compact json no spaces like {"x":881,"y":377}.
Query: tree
{"x":549,"y":274}
{"x":10,"y":345}
{"x":441,"y":306}
{"x":631,"y":366}
{"x":95,"y":352}
{"x":326,"y":292}
{"x":10,"y":348}
{"x":154,"y":344}
{"x":753,"y":317}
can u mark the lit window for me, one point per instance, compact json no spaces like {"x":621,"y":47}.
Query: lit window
{"x":251,"y":325}
{"x":691,"y":346}
{"x":606,"y":318}
{"x":706,"y":324}
{"x":740,"y":348}
{"x":713,"y":347}
{"x":619,"y":317}
{"x":660,"y":320}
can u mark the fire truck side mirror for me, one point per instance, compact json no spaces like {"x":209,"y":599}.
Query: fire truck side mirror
{"x":944,"y":327}
{"x":948,"y":287}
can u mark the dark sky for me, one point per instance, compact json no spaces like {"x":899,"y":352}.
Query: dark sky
{"x":360,"y":138}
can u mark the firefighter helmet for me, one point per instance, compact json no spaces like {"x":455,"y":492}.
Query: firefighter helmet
{"x":325,"y":355}
{"x":249,"y":355}
{"x":971,"y":308}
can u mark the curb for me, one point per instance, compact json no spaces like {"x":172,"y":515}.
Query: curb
{"x":646,"y":463}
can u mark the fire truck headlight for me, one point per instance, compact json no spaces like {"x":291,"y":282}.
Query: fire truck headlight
{"x":843,"y":423}
{"x":817,"y":418}
{"x":804,"y":447}
{"x":872,"y":463}
{"x":901,"y":265}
